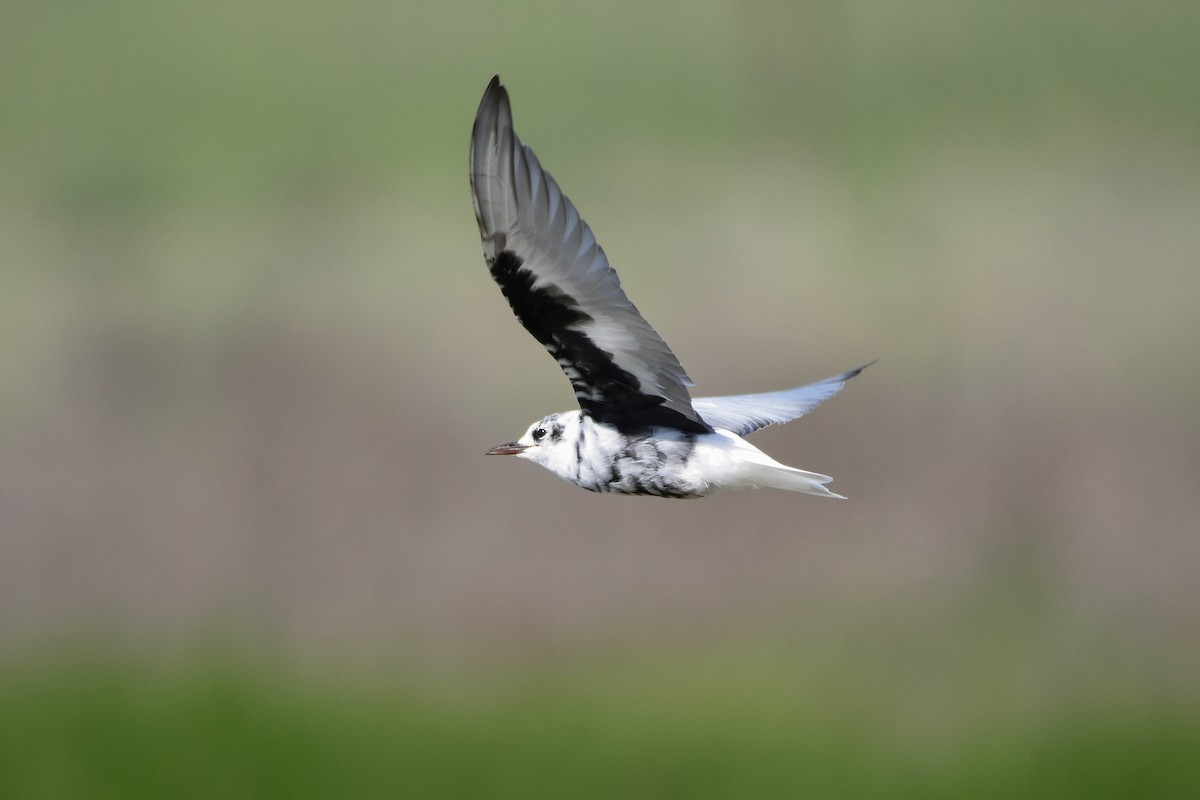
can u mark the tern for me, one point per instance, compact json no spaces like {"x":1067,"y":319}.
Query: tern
{"x":637,"y":430}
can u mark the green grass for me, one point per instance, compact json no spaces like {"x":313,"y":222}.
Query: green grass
{"x":735,"y":726}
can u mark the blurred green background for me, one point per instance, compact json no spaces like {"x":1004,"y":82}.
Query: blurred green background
{"x":249,"y":546}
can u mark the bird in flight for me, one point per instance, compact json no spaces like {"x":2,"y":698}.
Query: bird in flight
{"x":637,"y":430}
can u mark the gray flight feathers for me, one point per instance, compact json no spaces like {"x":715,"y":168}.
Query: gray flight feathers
{"x":521,"y":209}
{"x":744,"y":414}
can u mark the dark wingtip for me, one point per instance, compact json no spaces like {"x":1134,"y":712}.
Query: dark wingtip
{"x":495,"y":90}
{"x":493,"y":112}
{"x":493,"y":87}
{"x":852,"y":373}
{"x":491,"y":96}
{"x":491,"y":117}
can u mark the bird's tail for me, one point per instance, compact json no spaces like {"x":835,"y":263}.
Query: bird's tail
{"x":752,"y":468}
{"x":779,"y":476}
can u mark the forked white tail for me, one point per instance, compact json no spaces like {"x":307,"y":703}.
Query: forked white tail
{"x":748,"y":467}
{"x":792,"y":479}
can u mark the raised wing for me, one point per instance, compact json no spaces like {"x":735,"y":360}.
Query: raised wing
{"x":745,"y":413}
{"x":559,"y":284}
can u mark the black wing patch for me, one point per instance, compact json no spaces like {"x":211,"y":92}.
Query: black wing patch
{"x":605,"y":391}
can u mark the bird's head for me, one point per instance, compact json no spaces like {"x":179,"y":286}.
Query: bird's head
{"x":546,"y":442}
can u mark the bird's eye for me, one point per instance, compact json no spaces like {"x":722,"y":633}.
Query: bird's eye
{"x":539,"y":434}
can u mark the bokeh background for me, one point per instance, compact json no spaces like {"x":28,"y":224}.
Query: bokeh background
{"x":250,"y":547}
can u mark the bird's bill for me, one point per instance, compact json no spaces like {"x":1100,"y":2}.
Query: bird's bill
{"x":510,"y":449}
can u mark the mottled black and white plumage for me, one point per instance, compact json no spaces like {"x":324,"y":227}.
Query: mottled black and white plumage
{"x":637,"y":430}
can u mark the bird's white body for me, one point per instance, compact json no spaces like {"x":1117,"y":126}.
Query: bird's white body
{"x":662,"y":462}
